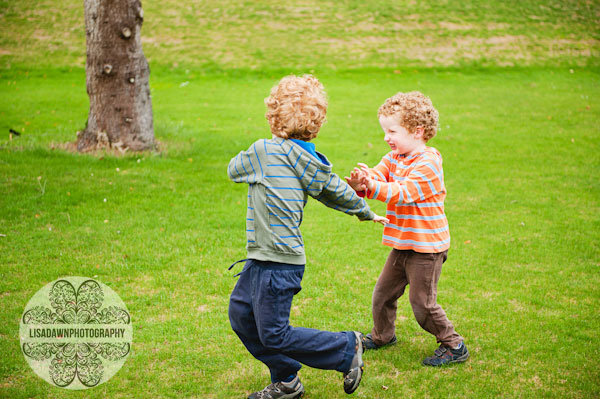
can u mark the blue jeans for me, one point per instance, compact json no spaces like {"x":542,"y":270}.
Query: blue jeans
{"x":259,"y":312}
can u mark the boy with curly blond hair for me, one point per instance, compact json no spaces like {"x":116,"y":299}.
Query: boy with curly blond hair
{"x":281,"y":173}
{"x":410,"y":180}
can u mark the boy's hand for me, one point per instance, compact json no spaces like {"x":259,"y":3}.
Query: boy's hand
{"x":381,"y":220}
{"x":367,"y":182}
{"x":356,"y":180}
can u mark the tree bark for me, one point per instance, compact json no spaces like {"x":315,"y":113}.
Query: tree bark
{"x":117,"y":76}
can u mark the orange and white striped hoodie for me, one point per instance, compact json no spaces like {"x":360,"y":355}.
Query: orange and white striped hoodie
{"x":413,"y":188}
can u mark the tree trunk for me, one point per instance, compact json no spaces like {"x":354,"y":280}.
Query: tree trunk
{"x":117,"y":75}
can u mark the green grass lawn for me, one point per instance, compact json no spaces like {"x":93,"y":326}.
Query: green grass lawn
{"x":516,"y":84}
{"x":521,"y":283}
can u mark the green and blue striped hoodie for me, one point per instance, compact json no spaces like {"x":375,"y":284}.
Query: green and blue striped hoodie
{"x":281,"y":174}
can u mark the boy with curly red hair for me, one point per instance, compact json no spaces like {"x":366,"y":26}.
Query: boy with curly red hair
{"x":410,"y":179}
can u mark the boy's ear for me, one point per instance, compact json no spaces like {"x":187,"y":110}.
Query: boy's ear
{"x":419,"y":132}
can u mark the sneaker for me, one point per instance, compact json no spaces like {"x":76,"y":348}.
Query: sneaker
{"x":368,"y":342}
{"x":354,"y":375}
{"x":280,"y":390}
{"x":445,"y":355}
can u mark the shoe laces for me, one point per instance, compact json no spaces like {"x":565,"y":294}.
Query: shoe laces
{"x":274,"y":388}
{"x":266,"y":392}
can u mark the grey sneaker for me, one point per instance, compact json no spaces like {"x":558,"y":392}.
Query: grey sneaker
{"x":444,"y":355}
{"x":354,"y":375}
{"x":280,"y":390}
{"x":370,"y":344}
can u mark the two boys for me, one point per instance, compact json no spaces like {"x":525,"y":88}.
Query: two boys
{"x":281,"y":174}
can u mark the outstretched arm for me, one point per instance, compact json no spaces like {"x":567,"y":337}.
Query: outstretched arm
{"x":338,"y":195}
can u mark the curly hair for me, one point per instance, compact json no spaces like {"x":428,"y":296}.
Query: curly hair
{"x":296,"y":107}
{"x":413,"y":110}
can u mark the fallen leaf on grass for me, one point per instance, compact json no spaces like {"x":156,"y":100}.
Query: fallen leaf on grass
{"x":468,"y":242}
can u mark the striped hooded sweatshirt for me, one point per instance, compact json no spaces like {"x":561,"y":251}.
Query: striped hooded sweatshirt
{"x":413,"y":188}
{"x":281,"y":174}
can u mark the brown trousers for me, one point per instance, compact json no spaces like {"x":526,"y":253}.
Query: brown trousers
{"x":422,"y":272}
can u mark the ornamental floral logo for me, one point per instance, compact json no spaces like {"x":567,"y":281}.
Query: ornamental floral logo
{"x":76,"y":333}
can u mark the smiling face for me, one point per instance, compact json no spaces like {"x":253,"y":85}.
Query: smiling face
{"x":400,"y":140}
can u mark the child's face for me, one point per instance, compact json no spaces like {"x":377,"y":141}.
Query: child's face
{"x":400,"y":140}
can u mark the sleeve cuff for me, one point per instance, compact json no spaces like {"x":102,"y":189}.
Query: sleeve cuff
{"x":370,"y":215}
